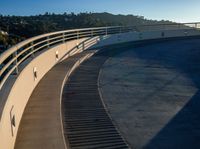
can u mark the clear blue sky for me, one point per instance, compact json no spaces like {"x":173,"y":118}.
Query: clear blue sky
{"x":175,"y":10}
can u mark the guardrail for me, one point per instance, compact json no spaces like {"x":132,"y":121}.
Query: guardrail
{"x":11,"y":59}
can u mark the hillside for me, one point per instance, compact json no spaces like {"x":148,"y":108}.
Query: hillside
{"x":22,"y":27}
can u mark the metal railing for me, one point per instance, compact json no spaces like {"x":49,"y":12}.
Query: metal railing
{"x":11,"y":59}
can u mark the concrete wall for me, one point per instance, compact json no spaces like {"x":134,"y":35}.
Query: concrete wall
{"x":25,"y":82}
{"x":136,"y":36}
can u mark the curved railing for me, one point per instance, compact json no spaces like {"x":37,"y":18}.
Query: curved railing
{"x":11,"y":59}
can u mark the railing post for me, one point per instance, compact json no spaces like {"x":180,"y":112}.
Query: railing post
{"x":91,"y":32}
{"x":48,"y":42}
{"x":120,"y":29}
{"x":77,"y":34}
{"x":195,"y":25}
{"x":106,"y":31}
{"x":16,"y":63}
{"x":77,"y":44}
{"x":32,"y":49}
{"x":179,"y":26}
{"x":63,"y":36}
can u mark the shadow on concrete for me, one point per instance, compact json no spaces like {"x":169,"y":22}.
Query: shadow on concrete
{"x":183,"y":130}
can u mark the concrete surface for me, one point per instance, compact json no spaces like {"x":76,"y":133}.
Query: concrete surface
{"x":17,"y":92}
{"x":152,"y":94}
{"x":86,"y":123}
{"x":41,"y":124}
{"x":16,"y":100}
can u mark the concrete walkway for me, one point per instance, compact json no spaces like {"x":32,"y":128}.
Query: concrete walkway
{"x":152,"y":94}
{"x":86,"y":122}
{"x":40,"y":127}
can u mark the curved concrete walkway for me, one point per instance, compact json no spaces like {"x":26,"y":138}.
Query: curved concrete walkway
{"x":144,"y":122}
{"x":152,"y":94}
{"x":86,"y":123}
{"x":90,"y":126}
{"x":40,"y":127}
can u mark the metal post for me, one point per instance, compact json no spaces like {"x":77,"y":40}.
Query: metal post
{"x":179,"y":26}
{"x":32,"y":49}
{"x":106,"y":31}
{"x":120,"y":30}
{"x":77,"y":35}
{"x":63,"y":36}
{"x":16,"y":63}
{"x":77,"y":44}
{"x":136,"y":29}
{"x":48,"y":42}
{"x":91,"y":33}
{"x":196,"y":25}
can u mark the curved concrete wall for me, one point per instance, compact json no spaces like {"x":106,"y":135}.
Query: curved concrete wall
{"x":25,"y":82}
{"x":139,"y":36}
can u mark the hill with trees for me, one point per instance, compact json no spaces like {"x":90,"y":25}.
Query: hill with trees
{"x":23,"y":27}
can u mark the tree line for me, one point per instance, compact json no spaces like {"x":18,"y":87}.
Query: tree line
{"x":23,"y":27}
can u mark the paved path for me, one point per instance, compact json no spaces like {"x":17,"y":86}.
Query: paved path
{"x":152,"y":94}
{"x":40,"y":127}
{"x":86,"y":123}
